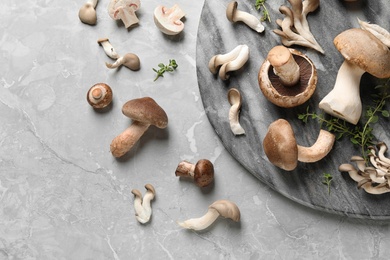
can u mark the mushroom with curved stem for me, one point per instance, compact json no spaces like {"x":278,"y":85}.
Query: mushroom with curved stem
{"x":379,"y":32}
{"x":108,"y":48}
{"x":217,"y":60}
{"x":168,"y":20}
{"x":125,"y":11}
{"x":87,"y":12}
{"x":235,"y":15}
{"x":202,"y":172}
{"x":144,"y":112}
{"x":99,"y":95}
{"x":282,"y":150}
{"x":142,"y":205}
{"x":129,"y":60}
{"x":235,"y":100}
{"x":363,"y":52}
{"x":220,"y":208}
{"x":287,"y":78}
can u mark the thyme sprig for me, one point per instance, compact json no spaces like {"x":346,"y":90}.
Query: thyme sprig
{"x":260,"y":4}
{"x":327,"y":180}
{"x":163,"y":68}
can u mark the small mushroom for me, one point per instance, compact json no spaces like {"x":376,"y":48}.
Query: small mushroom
{"x":108,"y":48}
{"x":87,"y":12}
{"x":129,"y":60}
{"x":282,"y":150}
{"x":125,"y":11}
{"x":143,"y":209}
{"x":218,"y":60}
{"x":168,"y":20}
{"x":202,"y":172}
{"x":287,"y":78}
{"x":363,"y":52}
{"x":235,"y":15}
{"x":99,"y":95}
{"x":144,"y":112}
{"x":223,"y":208}
{"x":235,"y":100}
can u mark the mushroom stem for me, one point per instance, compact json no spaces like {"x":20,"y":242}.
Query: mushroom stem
{"x":185,"y":169}
{"x":284,"y":65}
{"x":175,"y":13}
{"x":201,"y":223}
{"x":234,"y":98}
{"x":108,"y":48}
{"x":344,"y":100}
{"x":126,"y":140}
{"x":318,"y":150}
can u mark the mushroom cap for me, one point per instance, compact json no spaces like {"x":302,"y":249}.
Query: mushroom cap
{"x":131,"y":61}
{"x":280,"y":145}
{"x":99,"y":95}
{"x":168,"y":20}
{"x":150,"y":188}
{"x":145,"y":110}
{"x":290,"y":96}
{"x":87,"y":14}
{"x":363,"y":49}
{"x":203,"y":173}
{"x":234,"y":97}
{"x":227,"y":209}
{"x":136,"y":193}
{"x":231,"y":10}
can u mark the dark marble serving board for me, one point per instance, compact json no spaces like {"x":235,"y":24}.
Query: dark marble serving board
{"x":216,"y":35}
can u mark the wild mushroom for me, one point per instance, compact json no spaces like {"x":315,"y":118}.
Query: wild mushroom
{"x":294,"y":27}
{"x":202,"y":172}
{"x":125,"y":11}
{"x":143,"y":209}
{"x":108,"y":48}
{"x":144,"y":112}
{"x":129,"y":60}
{"x":282,"y":150}
{"x":168,"y":20}
{"x":87,"y":12}
{"x":235,"y":100}
{"x":379,"y":32}
{"x":232,"y":61}
{"x":223,"y":208}
{"x":287,"y":78}
{"x":363,"y":52}
{"x":99,"y":95}
{"x":235,"y":15}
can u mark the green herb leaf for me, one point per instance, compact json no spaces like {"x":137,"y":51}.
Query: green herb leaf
{"x":163,"y":68}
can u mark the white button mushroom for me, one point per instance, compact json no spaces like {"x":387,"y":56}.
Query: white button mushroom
{"x":168,"y":20}
{"x":235,"y":15}
{"x":125,"y":11}
{"x":87,"y":12}
{"x":142,"y":206}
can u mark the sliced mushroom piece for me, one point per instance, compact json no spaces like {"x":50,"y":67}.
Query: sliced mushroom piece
{"x":142,"y":205}
{"x":124,"y":10}
{"x":235,"y":15}
{"x":382,"y":148}
{"x":220,"y":208}
{"x":235,"y":100}
{"x":282,"y":91}
{"x":168,"y":20}
{"x":282,"y":150}
{"x":202,"y":172}
{"x":87,"y":12}
{"x":108,"y":48}
{"x":99,"y":95}
{"x":129,"y":60}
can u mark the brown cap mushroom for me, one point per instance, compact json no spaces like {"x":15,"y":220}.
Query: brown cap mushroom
{"x":277,"y":81}
{"x":99,"y":95}
{"x":144,"y":112}
{"x":363,"y":52}
{"x":202,"y":172}
{"x":235,"y":15}
{"x":282,"y":150}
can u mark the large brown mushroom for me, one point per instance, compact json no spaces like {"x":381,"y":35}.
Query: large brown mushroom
{"x":287,"y":77}
{"x":144,"y":112}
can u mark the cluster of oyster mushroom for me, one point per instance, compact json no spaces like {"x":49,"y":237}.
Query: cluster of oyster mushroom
{"x":373,"y":179}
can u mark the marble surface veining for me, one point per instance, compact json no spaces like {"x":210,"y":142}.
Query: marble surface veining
{"x":64,"y":196}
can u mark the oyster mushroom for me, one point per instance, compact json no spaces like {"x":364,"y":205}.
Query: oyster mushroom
{"x":168,"y":20}
{"x":124,"y":10}
{"x":235,"y":15}
{"x":235,"y":100}
{"x":363,"y":52}
{"x":144,"y":112}
{"x":108,"y":48}
{"x":287,"y":78}
{"x":129,"y":60}
{"x":220,"y":208}
{"x":99,"y":95}
{"x":202,"y":172}
{"x":282,"y":150}
{"x":87,"y":12}
{"x":142,"y":206}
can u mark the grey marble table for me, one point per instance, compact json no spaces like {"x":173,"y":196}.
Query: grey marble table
{"x":64,"y":196}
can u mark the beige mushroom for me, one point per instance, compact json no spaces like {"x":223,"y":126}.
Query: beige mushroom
{"x":142,"y":205}
{"x":235,"y":100}
{"x":282,"y":150}
{"x":287,"y":78}
{"x":144,"y":112}
{"x":87,"y":12}
{"x":129,"y":60}
{"x":379,"y":32}
{"x":99,"y":95}
{"x":223,"y":208}
{"x":202,"y":172}
{"x":235,"y":15}
{"x":168,"y":20}
{"x":124,"y":10}
{"x":108,"y":48}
